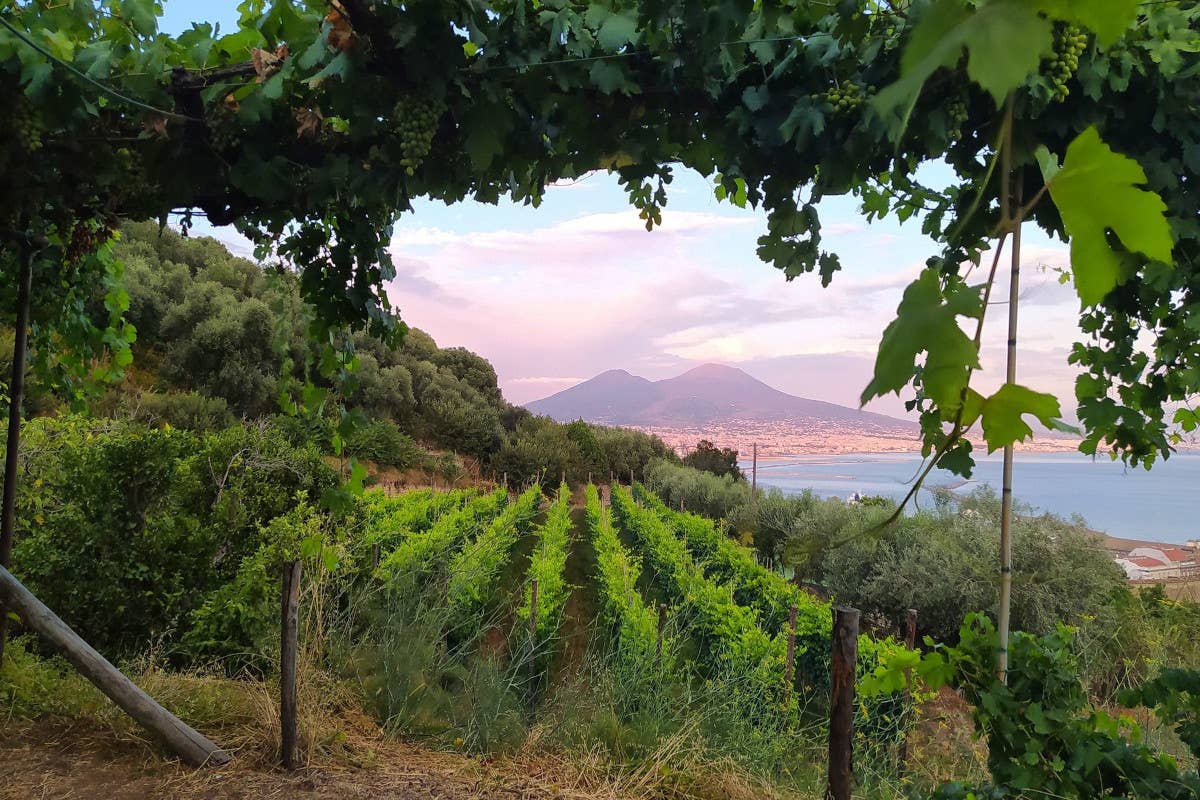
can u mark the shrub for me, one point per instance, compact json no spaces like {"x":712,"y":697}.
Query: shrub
{"x":384,"y":443}
{"x":131,"y":527}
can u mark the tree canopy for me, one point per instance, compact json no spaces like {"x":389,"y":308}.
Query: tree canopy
{"x":717,"y":460}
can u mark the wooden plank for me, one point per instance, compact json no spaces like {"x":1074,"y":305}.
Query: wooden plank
{"x":288,"y":646}
{"x":181,"y":739}
{"x":841,"y":708}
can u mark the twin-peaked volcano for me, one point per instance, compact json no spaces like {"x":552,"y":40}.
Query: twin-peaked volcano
{"x":709,"y":394}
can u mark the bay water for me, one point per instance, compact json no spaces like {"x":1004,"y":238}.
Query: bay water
{"x":1162,"y":504}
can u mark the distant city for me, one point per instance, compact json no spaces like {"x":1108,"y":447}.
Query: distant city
{"x":732,"y":408}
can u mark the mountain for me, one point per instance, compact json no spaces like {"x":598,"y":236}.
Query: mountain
{"x":707,"y":395}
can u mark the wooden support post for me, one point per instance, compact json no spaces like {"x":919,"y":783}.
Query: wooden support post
{"x":374,"y":557}
{"x":288,"y":645}
{"x":505,"y":480}
{"x":631,"y":477}
{"x":662,"y":624}
{"x":841,"y":706}
{"x":910,"y":641}
{"x":8,"y":512}
{"x":563,"y":478}
{"x":533,"y":591}
{"x":790,"y":666}
{"x":754,"y":470}
{"x":182,"y":740}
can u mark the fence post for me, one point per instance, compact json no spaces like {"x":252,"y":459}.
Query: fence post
{"x":910,"y":641}
{"x":662,"y":623}
{"x":790,"y":666}
{"x":533,"y":612}
{"x":289,"y":618}
{"x":374,"y":556}
{"x":841,"y":706}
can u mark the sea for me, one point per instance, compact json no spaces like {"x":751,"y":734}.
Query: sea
{"x":1162,"y":504}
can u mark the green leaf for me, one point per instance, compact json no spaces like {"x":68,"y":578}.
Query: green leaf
{"x":927,"y":321}
{"x":336,"y":68}
{"x":608,"y":78}
{"x":1095,"y":192}
{"x":358,"y":473}
{"x":310,"y":547}
{"x":1003,"y":414}
{"x":1186,"y":418}
{"x":756,"y":97}
{"x":329,"y":559}
{"x":613,"y":31}
{"x":142,"y":14}
{"x":1005,"y":41}
{"x":1108,"y":19}
{"x":61,"y":44}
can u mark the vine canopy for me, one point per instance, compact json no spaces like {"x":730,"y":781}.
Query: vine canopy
{"x":314,"y":126}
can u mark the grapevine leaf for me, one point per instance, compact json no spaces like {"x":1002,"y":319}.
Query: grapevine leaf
{"x":803,"y":122}
{"x":141,"y":14}
{"x":1108,"y":19}
{"x":927,"y":321}
{"x":336,"y":68}
{"x":483,"y":142}
{"x":609,"y":78}
{"x":1096,"y":191}
{"x":988,"y":33}
{"x":61,"y":44}
{"x":1186,"y":418}
{"x":1003,"y":414}
{"x":613,"y":31}
{"x":756,"y":97}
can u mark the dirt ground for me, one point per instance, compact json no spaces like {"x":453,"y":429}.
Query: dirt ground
{"x":58,"y":761}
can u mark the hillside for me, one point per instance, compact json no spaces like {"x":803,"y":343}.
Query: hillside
{"x":706,"y":394}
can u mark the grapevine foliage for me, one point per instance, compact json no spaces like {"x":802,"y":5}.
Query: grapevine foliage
{"x":313,"y":126}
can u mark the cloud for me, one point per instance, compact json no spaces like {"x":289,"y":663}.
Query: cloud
{"x":601,"y":236}
{"x":411,"y":281}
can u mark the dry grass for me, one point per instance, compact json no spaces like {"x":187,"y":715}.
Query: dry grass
{"x":66,"y":760}
{"x":69,"y":742}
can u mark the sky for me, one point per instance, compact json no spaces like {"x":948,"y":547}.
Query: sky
{"x":554,"y":295}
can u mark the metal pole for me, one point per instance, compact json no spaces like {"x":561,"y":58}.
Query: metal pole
{"x":1006,"y":497}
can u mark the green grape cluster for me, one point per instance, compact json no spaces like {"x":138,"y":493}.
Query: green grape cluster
{"x":224,"y":132}
{"x":846,"y":97}
{"x":1069,"y":44}
{"x":26,"y":125}
{"x":416,"y":120}
{"x":956,"y":114}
